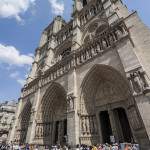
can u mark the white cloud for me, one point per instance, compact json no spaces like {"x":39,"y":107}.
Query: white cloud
{"x":14,"y":74}
{"x":57,"y":7}
{"x":21,"y":82}
{"x":11,"y":56}
{"x":14,"y":8}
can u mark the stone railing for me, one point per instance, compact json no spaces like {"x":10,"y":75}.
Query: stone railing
{"x":100,"y":44}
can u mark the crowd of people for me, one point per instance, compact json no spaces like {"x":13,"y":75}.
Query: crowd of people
{"x":115,"y":146}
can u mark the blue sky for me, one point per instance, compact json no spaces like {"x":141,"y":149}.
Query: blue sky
{"x":21,"y":24}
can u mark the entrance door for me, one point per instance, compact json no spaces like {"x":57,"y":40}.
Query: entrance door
{"x":124,"y":123}
{"x":61,"y":132}
{"x":65,"y":132}
{"x":105,"y":126}
{"x":56,"y":132}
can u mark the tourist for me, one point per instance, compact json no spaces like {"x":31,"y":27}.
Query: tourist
{"x":135,"y":147}
{"x":77,"y":147}
{"x":94,"y":147}
{"x":36,"y":147}
{"x":100,"y":147}
{"x":19,"y":147}
{"x":59,"y":147}
{"x":127,"y":147}
{"x":115,"y":147}
{"x":65,"y":147}
{"x":27,"y":147}
{"x":11,"y":145}
{"x":47,"y":148}
{"x":107,"y":147}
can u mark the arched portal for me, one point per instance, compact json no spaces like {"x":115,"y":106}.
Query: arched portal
{"x":24,"y":121}
{"x":104,"y":97}
{"x":51,"y":125}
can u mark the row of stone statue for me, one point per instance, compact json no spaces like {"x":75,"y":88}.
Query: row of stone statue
{"x":139,"y":82}
{"x":88,"y":125}
{"x":44,"y":130}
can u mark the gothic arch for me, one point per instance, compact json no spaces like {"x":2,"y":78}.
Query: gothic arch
{"x":52,"y":109}
{"x":24,"y":121}
{"x":100,"y":79}
{"x":55,"y":96}
{"x":103,"y":88}
{"x":94,"y":26}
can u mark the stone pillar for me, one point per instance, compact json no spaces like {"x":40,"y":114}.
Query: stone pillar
{"x":33,"y":128}
{"x":13,"y":132}
{"x":118,"y":127}
{"x":99,"y":131}
{"x":113,"y":123}
{"x":71,"y":120}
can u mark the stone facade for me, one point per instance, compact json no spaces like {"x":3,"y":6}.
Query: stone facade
{"x":7,"y":119}
{"x":89,"y":80}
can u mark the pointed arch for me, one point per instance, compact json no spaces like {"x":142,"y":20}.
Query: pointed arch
{"x":97,"y":25}
{"x":102,"y":88}
{"x":52,"y":115}
{"x":103,"y":84}
{"x":24,"y":122}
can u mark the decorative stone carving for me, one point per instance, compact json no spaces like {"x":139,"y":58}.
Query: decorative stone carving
{"x":104,"y":43}
{"x":43,"y":130}
{"x":100,"y":43}
{"x":139,"y":82}
{"x":88,"y":125}
{"x":70,"y":102}
{"x":145,"y":82}
{"x":93,"y":27}
{"x":134,"y":118}
{"x":89,"y":12}
{"x":119,"y":33}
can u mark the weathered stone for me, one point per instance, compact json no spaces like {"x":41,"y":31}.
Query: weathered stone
{"x":90,"y":80}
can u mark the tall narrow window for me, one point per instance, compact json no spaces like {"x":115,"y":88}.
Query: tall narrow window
{"x":84,"y":2}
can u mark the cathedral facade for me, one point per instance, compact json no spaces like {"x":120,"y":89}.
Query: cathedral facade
{"x":90,"y":80}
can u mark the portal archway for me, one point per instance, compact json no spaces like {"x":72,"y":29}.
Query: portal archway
{"x":103,"y":90}
{"x":51,"y":126}
{"x":24,"y":121}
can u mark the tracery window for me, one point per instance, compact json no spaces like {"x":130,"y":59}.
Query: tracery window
{"x":90,"y":11}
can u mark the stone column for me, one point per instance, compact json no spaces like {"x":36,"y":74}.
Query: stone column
{"x":113,"y":123}
{"x":33,"y":128}
{"x":71,"y":120}
{"x":118,"y":127}
{"x":13,"y":132}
